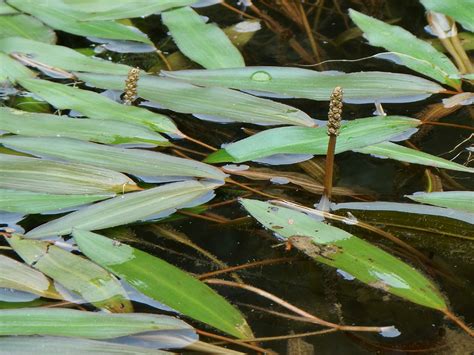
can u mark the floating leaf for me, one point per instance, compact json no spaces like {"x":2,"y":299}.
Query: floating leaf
{"x":459,"y":200}
{"x":27,"y":27}
{"x":95,"y":105}
{"x":6,"y":9}
{"x":77,"y":274}
{"x":71,"y":21}
{"x":361,"y":87}
{"x":302,"y":140}
{"x":59,"y":57}
{"x":129,"y":208}
{"x":11,"y":70}
{"x":410,"y":51}
{"x":102,"y":131}
{"x":401,"y":153}
{"x":133,"y":161}
{"x":70,"y":346}
{"x":73,"y":323}
{"x":205,"y":44}
{"x":460,"y":10}
{"x":206,"y":103}
{"x":337,"y":248}
{"x":18,"y":276}
{"x":35,"y":202}
{"x":163,"y":282}
{"x":44,"y":176}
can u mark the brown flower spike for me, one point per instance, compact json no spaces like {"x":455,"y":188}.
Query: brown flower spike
{"x":131,"y":86}
{"x":335,"y":112}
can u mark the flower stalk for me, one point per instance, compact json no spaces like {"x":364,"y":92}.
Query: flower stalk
{"x":131,"y":86}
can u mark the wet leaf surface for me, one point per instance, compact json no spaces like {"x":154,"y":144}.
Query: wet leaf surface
{"x":27,"y":27}
{"x":459,"y":200}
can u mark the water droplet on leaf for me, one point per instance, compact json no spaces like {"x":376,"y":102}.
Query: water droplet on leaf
{"x":261,"y":76}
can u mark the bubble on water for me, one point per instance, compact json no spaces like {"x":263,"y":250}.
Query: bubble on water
{"x":261,"y":76}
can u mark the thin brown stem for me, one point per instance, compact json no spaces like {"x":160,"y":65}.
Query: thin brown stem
{"x":200,"y":216}
{"x":329,"y":171}
{"x":202,"y":144}
{"x":229,"y":180}
{"x":233,"y":341}
{"x":231,"y":8}
{"x":309,"y":33}
{"x":459,"y":322}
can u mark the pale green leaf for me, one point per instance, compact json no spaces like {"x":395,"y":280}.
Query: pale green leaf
{"x":461,"y":11}
{"x":303,"y":140}
{"x":133,"y":161}
{"x":205,"y":44}
{"x":11,"y":70}
{"x":163,"y":282}
{"x":337,"y":248}
{"x":35,"y":202}
{"x":102,"y":131}
{"x":206,"y":102}
{"x":361,"y":87}
{"x":27,"y":27}
{"x":45,"y":176}
{"x":459,"y":200}
{"x":129,"y":208}
{"x":409,"y":50}
{"x":409,"y":155}
{"x":95,"y":105}
{"x":6,"y":9}
{"x":78,"y":275}
{"x":73,"y":323}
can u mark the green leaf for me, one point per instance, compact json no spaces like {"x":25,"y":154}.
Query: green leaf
{"x":35,"y":202}
{"x":59,"y":57}
{"x":303,"y":140}
{"x":205,"y":44}
{"x":6,"y":9}
{"x":70,"y":346}
{"x":73,"y":323}
{"x":460,"y":10}
{"x":102,"y":131}
{"x":337,"y":248}
{"x":18,"y":276}
{"x":405,"y":154}
{"x":71,"y":21}
{"x":206,"y":103}
{"x":77,"y":274}
{"x":163,"y":282}
{"x":459,"y":200}
{"x":133,"y":161}
{"x":409,"y":50}
{"x":361,"y":87}
{"x":129,"y":208}
{"x":27,"y":27}
{"x":11,"y":70}
{"x":44,"y":176}
{"x":95,"y":105}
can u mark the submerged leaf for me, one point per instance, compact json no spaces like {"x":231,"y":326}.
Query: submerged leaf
{"x":35,"y":202}
{"x":101,"y":131}
{"x":73,"y":323}
{"x":95,"y":105}
{"x":163,"y":282}
{"x":77,"y":274}
{"x":25,"y":26}
{"x":459,"y":200}
{"x":337,"y":248}
{"x":133,"y":161}
{"x":415,"y":53}
{"x":205,"y":44}
{"x":409,"y":155}
{"x":302,"y":140}
{"x":206,"y":102}
{"x":361,"y":87}
{"x":129,"y":208}
{"x":44,"y":176}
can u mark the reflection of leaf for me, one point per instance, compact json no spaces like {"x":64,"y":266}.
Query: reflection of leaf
{"x":302,"y":140}
{"x":409,"y":155}
{"x":35,"y":202}
{"x":361,"y":87}
{"x":414,"y":53}
{"x":132,"y":161}
{"x":460,"y":10}
{"x":27,"y":27}
{"x":129,"y":208}
{"x":45,"y":176}
{"x":18,"y":276}
{"x":75,"y":273}
{"x":163,"y":282}
{"x":460,"y":200}
{"x":205,"y":44}
{"x":337,"y":248}
{"x":206,"y":102}
{"x":94,"y":325}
